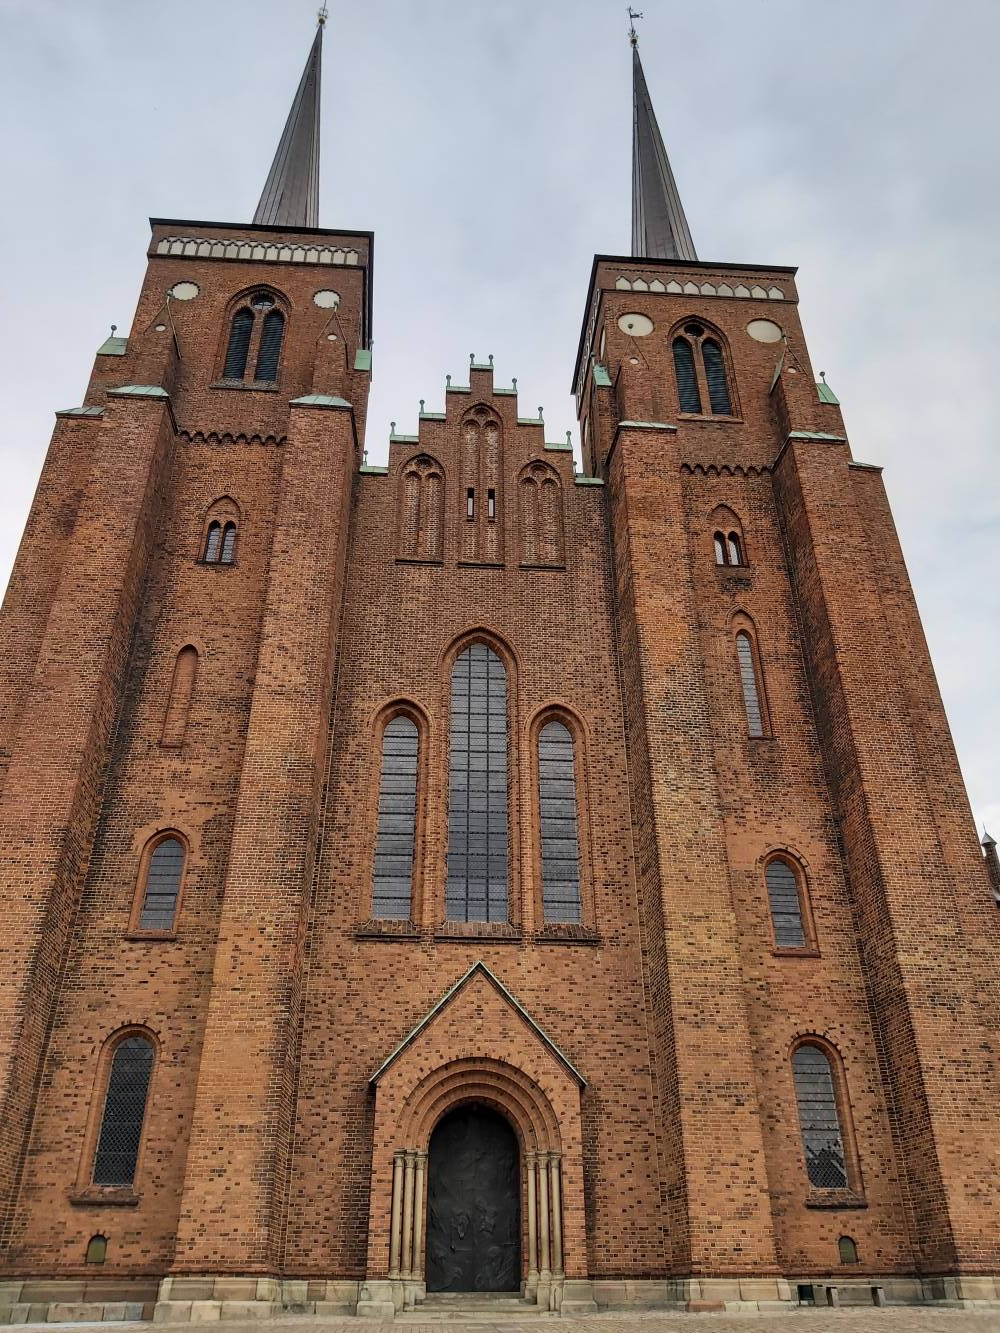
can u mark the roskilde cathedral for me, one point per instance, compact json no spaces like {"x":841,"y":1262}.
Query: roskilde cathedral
{"x":470,"y":875}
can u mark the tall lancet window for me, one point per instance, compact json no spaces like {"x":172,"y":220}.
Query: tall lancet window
{"x":253,"y":352}
{"x":560,"y":834}
{"x":477,"y":788}
{"x":392,"y":883}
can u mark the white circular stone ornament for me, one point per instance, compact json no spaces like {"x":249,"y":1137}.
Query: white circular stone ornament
{"x":765,"y":331}
{"x":184,"y":291}
{"x":637,"y":326}
{"x":327,"y":299}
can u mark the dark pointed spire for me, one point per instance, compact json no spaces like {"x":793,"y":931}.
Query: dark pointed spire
{"x":291,"y":195}
{"x":992,"y":864}
{"x":659,"y":227}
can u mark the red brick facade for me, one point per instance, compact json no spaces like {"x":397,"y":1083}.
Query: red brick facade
{"x":644,"y":1055}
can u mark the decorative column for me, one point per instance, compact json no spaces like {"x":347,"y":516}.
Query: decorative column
{"x":556,"y":1193}
{"x":397,"y":1206}
{"x":544,"y":1268}
{"x":410,"y":1161}
{"x":417,"y":1266}
{"x":532,"y":1285}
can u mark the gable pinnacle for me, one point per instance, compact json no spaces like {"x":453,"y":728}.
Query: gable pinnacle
{"x":659,"y":227}
{"x":291,"y":194}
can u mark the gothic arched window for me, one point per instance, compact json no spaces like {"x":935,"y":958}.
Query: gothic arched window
{"x":750,"y":682}
{"x":560,"y":849}
{"x":162,"y":872}
{"x":213,"y":542}
{"x":785,"y":901}
{"x":239,"y":345}
{"x":255,"y":337}
{"x":687,"y":376}
{"x":270,"y":346}
{"x":819,"y":1118}
{"x":715,"y":377}
{"x":700,"y":368}
{"x":124,"y":1111}
{"x":392,"y":881}
{"x":228,"y":544}
{"x":477,"y":788}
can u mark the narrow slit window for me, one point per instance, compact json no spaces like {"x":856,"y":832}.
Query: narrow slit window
{"x":559,"y":827}
{"x":163,"y":885}
{"x":735,"y":549}
{"x":786,"y":907}
{"x":715,"y":378}
{"x":822,"y":1137}
{"x":687,"y":378}
{"x":124,"y":1111}
{"x":477,"y":788}
{"x":239,"y":345}
{"x":470,"y":502}
{"x":213,"y":543}
{"x":748,"y":679}
{"x":491,"y":504}
{"x":228,"y":544}
{"x":720,"y":549}
{"x":270,"y":346}
{"x":392,"y":884}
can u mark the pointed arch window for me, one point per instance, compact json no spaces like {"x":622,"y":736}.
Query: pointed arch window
{"x":560,"y":837}
{"x":392,"y":882}
{"x":117,"y":1152}
{"x":819,"y":1118}
{"x":715,"y":378}
{"x":270,"y":346}
{"x":228,"y":544}
{"x":477,"y":788}
{"x":240,"y":332}
{"x":213,"y":542}
{"x":687,"y":377}
{"x":162,"y":873}
{"x":750,"y":682}
{"x":700,"y":368}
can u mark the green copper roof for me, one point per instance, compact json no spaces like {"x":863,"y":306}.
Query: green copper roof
{"x":646,"y":425}
{"x":373,"y":469}
{"x":113,"y":347}
{"x":363,"y":358}
{"x":588,"y":481}
{"x":321,"y":400}
{"x":601,"y":376}
{"x":81,"y":412}
{"x":826,"y":394}
{"x":813,"y":435}
{"x":139,"y":391}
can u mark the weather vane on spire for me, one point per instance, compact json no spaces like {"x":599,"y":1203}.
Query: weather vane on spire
{"x":323,"y":14}
{"x":633,"y":36}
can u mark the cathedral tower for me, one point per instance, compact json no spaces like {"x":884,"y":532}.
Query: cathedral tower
{"x":468,"y":874}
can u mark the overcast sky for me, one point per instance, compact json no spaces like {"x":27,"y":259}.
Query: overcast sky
{"x":488,"y":147}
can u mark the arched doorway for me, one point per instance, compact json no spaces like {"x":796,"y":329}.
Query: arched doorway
{"x":473,"y":1203}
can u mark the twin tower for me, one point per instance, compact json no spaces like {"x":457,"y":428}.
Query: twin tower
{"x":472,"y":875}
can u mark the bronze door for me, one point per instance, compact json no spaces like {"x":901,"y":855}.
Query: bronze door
{"x":473,"y":1204}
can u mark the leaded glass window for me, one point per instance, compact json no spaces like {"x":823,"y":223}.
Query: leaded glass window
{"x":720,"y":549}
{"x":124,"y":1109}
{"x":560,"y":835}
{"x":822,"y":1139}
{"x":392,"y":884}
{"x":687,"y":378}
{"x":786,"y":909}
{"x":748,"y":679}
{"x":477,"y":788}
{"x":228,"y":544}
{"x":213,"y":542}
{"x":163,"y":884}
{"x":735,"y":552}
